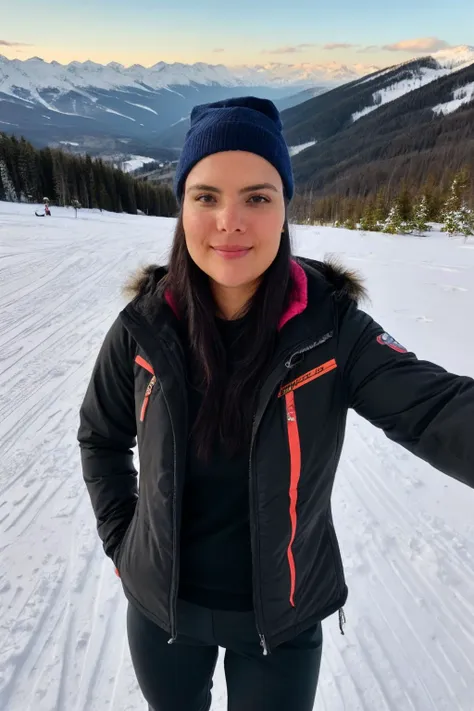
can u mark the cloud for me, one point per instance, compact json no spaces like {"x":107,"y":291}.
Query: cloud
{"x":218,"y":49}
{"x":339,"y":45}
{"x":6,"y":43}
{"x":369,"y":48}
{"x":289,"y":49}
{"x":422,"y":44}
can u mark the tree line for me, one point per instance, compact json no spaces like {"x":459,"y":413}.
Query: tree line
{"x":404,"y":211}
{"x":28,"y":174}
{"x":50,"y":175}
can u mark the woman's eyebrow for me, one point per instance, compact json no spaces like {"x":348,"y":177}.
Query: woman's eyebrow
{"x":259,"y":186}
{"x":248,"y":189}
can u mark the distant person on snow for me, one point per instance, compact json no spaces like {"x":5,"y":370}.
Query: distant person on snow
{"x":235,"y":366}
{"x":46,"y":213}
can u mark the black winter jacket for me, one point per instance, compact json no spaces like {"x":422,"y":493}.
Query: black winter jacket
{"x":331,"y":356}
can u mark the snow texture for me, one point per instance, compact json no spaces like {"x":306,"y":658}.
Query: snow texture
{"x":117,"y":113}
{"x":406,"y":530}
{"x":140,"y":106}
{"x":134,"y":163}
{"x":462,"y":95}
{"x":294,"y":150}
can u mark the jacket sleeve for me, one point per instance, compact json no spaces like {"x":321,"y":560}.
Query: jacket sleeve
{"x":416,"y":403}
{"x":107,"y":436}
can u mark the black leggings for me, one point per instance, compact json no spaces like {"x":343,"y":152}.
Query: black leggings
{"x":178,"y":677}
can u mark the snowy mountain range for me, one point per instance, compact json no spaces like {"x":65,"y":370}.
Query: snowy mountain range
{"x":102,"y":107}
{"x":145,"y":109}
{"x":35,"y":75}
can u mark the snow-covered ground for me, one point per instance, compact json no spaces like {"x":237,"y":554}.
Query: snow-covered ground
{"x":407,"y":531}
{"x":461,"y":96}
{"x":135,"y":162}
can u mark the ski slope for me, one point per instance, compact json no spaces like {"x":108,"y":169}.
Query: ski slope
{"x":406,"y":531}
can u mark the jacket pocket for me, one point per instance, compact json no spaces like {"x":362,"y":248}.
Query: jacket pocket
{"x":117,"y":557}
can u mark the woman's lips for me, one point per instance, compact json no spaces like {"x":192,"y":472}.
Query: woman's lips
{"x":232,"y":251}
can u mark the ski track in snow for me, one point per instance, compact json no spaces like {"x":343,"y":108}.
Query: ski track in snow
{"x":406,"y":531}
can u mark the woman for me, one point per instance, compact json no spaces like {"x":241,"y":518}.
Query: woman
{"x":235,"y":367}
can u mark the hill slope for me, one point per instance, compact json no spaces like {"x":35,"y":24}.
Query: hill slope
{"x":416,"y":127}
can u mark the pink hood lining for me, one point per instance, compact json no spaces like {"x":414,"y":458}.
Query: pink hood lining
{"x":299,"y":294}
{"x":298,"y":298}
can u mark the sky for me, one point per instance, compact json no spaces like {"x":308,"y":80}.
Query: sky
{"x":233,"y":33}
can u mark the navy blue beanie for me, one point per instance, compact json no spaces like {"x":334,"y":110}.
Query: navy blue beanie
{"x":241,"y":124}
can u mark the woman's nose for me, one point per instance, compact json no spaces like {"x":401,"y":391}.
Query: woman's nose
{"x":230,"y":219}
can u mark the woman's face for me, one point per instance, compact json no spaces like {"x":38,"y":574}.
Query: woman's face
{"x":233,"y":217}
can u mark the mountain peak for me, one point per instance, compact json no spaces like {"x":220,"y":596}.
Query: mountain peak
{"x":462,"y":55}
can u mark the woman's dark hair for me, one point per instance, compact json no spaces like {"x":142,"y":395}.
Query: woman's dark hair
{"x":229,"y":400}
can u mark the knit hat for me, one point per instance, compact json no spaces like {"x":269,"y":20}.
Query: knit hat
{"x":240,"y":124}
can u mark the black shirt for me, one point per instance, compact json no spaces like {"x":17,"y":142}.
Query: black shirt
{"x":216,"y":559}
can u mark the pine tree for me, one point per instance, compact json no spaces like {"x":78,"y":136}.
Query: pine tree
{"x":27,"y":169}
{"x":12,"y":162}
{"x":459,"y":222}
{"x":46,"y":175}
{"x":394,"y":221}
{"x":7,"y":184}
{"x":60,"y":178}
{"x":467,"y":221}
{"x":368,"y":221}
{"x":404,"y":204}
{"x":380,"y":208}
{"x":420,"y":216}
{"x":457,"y":216}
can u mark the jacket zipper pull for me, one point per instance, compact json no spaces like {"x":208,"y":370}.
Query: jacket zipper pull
{"x":148,"y":392}
{"x":342,"y":619}
{"x":263,"y":644}
{"x":172,"y":640}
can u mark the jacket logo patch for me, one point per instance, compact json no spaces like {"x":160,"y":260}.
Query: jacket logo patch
{"x":308,"y":377}
{"x":385,"y":339}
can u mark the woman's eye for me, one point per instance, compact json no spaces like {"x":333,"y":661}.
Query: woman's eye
{"x":259,"y":199}
{"x":208,"y":199}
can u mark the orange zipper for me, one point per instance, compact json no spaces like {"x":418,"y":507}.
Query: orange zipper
{"x":295,"y":473}
{"x":146,"y":399}
{"x":144,"y":364}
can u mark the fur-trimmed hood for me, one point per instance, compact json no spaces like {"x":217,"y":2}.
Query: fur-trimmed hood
{"x":342,"y":282}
